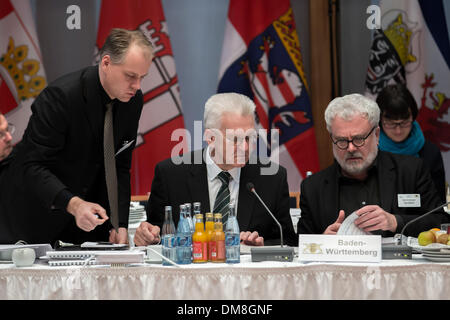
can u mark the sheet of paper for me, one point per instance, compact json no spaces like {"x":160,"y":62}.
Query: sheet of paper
{"x":348,"y":226}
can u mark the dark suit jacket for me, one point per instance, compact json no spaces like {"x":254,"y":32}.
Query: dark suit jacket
{"x":397,"y":174}
{"x":177,"y":184}
{"x":432,"y":157}
{"x":62,"y":151}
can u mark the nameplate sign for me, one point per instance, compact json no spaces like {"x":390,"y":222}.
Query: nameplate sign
{"x":339,"y":248}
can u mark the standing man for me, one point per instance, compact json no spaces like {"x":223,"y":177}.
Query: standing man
{"x":219,"y":174}
{"x":364,"y":180}
{"x":73,"y":163}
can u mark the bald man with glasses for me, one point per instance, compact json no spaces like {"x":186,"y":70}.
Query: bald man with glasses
{"x":374,"y":184}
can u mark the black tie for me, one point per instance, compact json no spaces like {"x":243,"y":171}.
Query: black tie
{"x":223,"y":196}
{"x":110,"y":166}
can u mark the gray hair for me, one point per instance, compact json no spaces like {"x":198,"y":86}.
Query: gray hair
{"x":349,"y":106}
{"x":120,"y":40}
{"x":221,"y":103}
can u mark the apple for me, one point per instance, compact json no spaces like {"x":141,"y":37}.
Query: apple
{"x":426,"y":237}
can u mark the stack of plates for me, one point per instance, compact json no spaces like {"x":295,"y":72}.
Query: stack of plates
{"x":436,"y":254}
{"x":137,"y":215}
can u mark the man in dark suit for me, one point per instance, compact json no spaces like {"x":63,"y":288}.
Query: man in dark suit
{"x":194,"y":177}
{"x":60,"y":185}
{"x":385,"y":190}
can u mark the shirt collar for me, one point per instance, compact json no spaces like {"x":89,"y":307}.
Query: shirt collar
{"x":213,"y":169}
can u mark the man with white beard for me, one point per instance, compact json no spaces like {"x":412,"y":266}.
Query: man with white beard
{"x":385,"y":190}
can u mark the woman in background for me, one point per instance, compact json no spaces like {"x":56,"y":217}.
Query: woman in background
{"x":401,"y":133}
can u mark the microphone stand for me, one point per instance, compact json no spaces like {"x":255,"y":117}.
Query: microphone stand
{"x":282,"y":253}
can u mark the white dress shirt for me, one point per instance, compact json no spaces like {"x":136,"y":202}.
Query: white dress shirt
{"x":214,"y":182}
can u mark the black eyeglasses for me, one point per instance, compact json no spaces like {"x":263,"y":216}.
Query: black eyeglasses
{"x":393,"y":125}
{"x":356,"y":141}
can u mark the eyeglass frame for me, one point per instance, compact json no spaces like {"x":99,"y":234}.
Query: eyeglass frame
{"x":352,"y":140}
{"x":10,"y":129}
{"x":404,"y":124}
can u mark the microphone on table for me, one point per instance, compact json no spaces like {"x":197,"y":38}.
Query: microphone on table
{"x":270,"y":253}
{"x":400,"y":250}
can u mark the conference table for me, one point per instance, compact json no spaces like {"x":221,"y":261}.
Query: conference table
{"x":390,"y":279}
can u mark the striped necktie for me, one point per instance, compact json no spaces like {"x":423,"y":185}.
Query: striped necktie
{"x":223,"y":196}
{"x":110,"y":166}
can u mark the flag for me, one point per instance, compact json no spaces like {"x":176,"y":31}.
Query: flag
{"x":22,"y":76}
{"x":162,"y":113}
{"x":261,"y":58}
{"x":413,"y":47}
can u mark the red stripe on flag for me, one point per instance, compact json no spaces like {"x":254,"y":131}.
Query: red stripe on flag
{"x":262,"y":77}
{"x":257,"y":14}
{"x":7,"y":101}
{"x":303,"y":152}
{"x":286,"y":90}
{"x":157,"y":147}
{"x":5,"y":8}
{"x":262,"y":115}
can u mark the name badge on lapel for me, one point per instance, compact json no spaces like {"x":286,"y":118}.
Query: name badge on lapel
{"x":409,"y":200}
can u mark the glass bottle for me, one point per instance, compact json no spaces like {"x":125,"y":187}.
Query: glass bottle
{"x":448,"y":196}
{"x":196,"y":210}
{"x":217,"y":244}
{"x":168,"y":237}
{"x":189,"y":217}
{"x":209,"y":229}
{"x":232,"y":237}
{"x":184,"y":238}
{"x":199,"y":241}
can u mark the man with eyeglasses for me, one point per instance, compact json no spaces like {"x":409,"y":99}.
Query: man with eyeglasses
{"x":6,"y":131}
{"x":218,"y":175}
{"x":385,"y":190}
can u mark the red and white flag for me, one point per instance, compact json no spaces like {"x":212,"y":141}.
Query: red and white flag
{"x":22,"y":76}
{"x":162,"y":113}
{"x":261,"y":58}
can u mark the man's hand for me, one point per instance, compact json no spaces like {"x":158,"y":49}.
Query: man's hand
{"x":120,"y":238}
{"x":146,"y":234}
{"x":87,"y":215}
{"x":372,"y":218}
{"x":333,"y":228}
{"x":251,"y":238}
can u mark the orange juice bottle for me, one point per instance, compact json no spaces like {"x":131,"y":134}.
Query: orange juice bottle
{"x":217,"y":244}
{"x":199,"y":241}
{"x":209,"y":229}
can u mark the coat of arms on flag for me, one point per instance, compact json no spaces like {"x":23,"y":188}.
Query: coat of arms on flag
{"x":413,"y":47}
{"x":261,"y":58}
{"x":22,"y":76}
{"x":162,"y":113}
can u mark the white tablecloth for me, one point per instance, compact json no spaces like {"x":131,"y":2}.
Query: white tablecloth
{"x":390,"y":279}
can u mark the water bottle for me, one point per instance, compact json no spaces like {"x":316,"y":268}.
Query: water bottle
{"x":184,"y":238}
{"x":168,"y":237}
{"x":232,"y":237}
{"x":197,"y":210}
{"x":189,"y":217}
